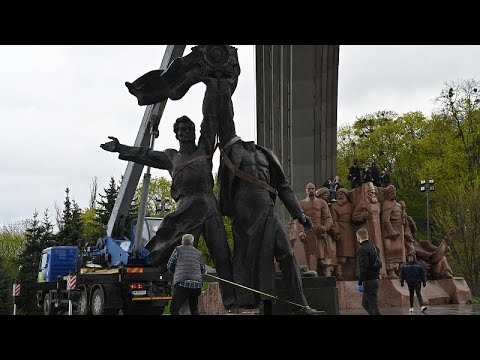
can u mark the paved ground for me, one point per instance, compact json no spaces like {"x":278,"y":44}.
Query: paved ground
{"x":454,"y":309}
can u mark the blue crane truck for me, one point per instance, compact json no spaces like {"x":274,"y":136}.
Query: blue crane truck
{"x":109,"y":277}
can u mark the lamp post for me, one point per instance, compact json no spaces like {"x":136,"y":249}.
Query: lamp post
{"x":162,"y":206}
{"x":427,"y":187}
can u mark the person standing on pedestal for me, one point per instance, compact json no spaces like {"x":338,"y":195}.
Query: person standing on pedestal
{"x":368,"y":279}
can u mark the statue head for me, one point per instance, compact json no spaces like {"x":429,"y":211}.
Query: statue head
{"x":342,"y":196}
{"x":184,"y":129}
{"x":322,"y":193}
{"x":370,"y":193}
{"x":390,"y":192}
{"x":310,"y":190}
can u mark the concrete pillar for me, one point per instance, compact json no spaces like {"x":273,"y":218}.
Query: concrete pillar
{"x":297,"y":88}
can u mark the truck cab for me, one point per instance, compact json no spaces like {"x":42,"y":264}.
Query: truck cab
{"x":57,"y":261}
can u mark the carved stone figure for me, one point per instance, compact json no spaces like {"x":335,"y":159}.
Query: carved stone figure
{"x":312,"y":208}
{"x":366,"y":213}
{"x":341,"y":211}
{"x":432,"y":257}
{"x":192,"y":188}
{"x":392,"y":229}
{"x":326,"y":241}
{"x":297,"y":237}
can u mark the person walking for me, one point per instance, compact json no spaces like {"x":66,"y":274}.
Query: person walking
{"x":414,"y":274}
{"x":187,"y":265}
{"x":370,"y":265}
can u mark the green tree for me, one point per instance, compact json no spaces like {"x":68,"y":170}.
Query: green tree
{"x":461,"y":210}
{"x":12,"y":243}
{"x":92,"y":230}
{"x":28,"y":263}
{"x":106,"y":203}
{"x":70,"y":230}
{"x":6,"y":303}
{"x":159,"y":189}
{"x":459,"y":105}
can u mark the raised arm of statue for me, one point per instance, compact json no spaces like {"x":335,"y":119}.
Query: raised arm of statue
{"x":226,"y":131}
{"x":209,"y":126}
{"x":140,"y":155}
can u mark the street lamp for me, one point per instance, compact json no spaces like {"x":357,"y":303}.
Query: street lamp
{"x":162,"y":206}
{"x":427,"y":187}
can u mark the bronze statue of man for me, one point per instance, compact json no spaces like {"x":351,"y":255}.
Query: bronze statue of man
{"x":250,"y":178}
{"x":192,"y":188}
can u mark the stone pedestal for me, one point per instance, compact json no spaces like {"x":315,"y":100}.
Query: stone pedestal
{"x":210,"y":301}
{"x":321,"y":294}
{"x":458,"y":290}
{"x":390,"y":293}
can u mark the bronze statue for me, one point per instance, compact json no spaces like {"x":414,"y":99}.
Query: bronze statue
{"x":250,"y":178}
{"x":192,"y":188}
{"x":341,"y":211}
{"x":392,"y":229}
{"x":326,"y":251}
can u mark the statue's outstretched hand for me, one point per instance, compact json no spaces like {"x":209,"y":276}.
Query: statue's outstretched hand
{"x":305,"y":221}
{"x":111,"y":146}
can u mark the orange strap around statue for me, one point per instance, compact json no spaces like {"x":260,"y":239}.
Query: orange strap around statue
{"x":246,"y":176}
{"x":182,"y":165}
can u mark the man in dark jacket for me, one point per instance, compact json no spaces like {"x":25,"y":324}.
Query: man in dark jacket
{"x":187,"y":266}
{"x":368,"y":279}
{"x":414,"y":274}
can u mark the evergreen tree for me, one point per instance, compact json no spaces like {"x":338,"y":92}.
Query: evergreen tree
{"x":106,"y":203}
{"x":28,"y":263}
{"x":47,"y":238}
{"x":71,"y":223}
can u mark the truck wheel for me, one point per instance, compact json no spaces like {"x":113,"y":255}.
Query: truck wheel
{"x":47,"y":305}
{"x":98,"y":302}
{"x":82,"y":304}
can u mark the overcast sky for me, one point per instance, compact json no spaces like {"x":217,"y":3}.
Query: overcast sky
{"x":59,"y":103}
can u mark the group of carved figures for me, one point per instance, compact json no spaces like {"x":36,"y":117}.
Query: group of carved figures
{"x":331,"y":247}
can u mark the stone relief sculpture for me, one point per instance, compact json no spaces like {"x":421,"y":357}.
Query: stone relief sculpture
{"x":326,"y":245}
{"x":366,"y":213}
{"x":432,"y":257}
{"x":392,"y":230}
{"x":341,"y":211}
{"x":312,"y":208}
{"x":297,"y":237}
